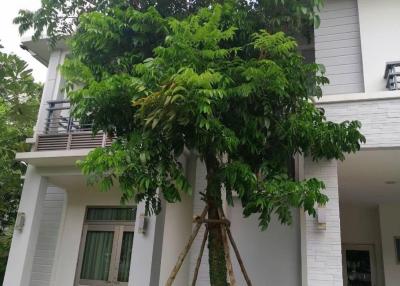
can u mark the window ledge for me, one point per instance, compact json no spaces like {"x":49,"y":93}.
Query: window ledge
{"x":369,"y":96}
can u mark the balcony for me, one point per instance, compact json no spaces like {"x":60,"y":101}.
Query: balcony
{"x":63,"y":132}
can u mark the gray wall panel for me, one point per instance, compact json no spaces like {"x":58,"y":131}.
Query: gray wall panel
{"x":48,"y":235}
{"x":338,"y":47}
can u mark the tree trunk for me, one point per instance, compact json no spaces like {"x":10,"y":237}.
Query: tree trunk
{"x":216,"y":255}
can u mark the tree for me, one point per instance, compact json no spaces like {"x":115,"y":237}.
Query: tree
{"x":19,"y":100}
{"x":58,"y":18}
{"x":223,"y":82}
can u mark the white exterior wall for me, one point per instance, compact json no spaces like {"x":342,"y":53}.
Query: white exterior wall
{"x":321,"y":251}
{"x":271,"y":257}
{"x":147,"y":250}
{"x":380,"y":120}
{"x":177,"y":230}
{"x":23,"y":245}
{"x":379,"y":27}
{"x":43,"y":259}
{"x":198,"y":207}
{"x":390,"y":227}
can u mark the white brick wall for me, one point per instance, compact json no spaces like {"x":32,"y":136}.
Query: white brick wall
{"x":322,"y":253}
{"x":380,"y":120}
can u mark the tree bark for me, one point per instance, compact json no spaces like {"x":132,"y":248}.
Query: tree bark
{"x":216,"y":254}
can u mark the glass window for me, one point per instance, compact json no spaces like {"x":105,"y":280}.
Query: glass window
{"x":110,"y":214}
{"x":397,"y":245}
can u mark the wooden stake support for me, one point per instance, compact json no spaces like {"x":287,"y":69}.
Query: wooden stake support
{"x":185,"y":251}
{"x":226,"y":234}
{"x":198,"y":262}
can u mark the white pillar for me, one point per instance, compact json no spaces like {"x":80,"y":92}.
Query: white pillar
{"x":147,"y":250}
{"x":321,"y":248}
{"x":24,"y":241}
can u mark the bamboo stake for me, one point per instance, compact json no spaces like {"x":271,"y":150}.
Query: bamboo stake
{"x":196,"y":270}
{"x":228,"y":260}
{"x":185,"y":251}
{"x":239,"y":259}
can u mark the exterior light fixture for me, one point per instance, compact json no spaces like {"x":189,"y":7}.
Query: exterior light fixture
{"x":321,"y":217}
{"x":20,"y":221}
{"x":142,"y":221}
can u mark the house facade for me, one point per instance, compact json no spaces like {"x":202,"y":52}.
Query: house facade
{"x":70,"y":234}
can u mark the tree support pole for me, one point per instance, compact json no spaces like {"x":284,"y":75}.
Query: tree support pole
{"x":239,"y":259}
{"x":198,"y":262}
{"x":225,"y":233}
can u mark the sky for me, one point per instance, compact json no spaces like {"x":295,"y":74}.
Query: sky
{"x":10,"y":38}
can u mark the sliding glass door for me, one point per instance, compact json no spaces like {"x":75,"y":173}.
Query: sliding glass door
{"x":106,"y":247}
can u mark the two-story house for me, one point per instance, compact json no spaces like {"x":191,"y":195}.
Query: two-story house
{"x":69,"y":234}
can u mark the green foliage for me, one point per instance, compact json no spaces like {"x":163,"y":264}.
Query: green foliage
{"x":59,"y":18}
{"x":19,"y":100}
{"x":244,"y":106}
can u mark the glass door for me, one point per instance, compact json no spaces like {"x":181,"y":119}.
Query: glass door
{"x":124,"y":256}
{"x":359,"y":265}
{"x":106,"y":248}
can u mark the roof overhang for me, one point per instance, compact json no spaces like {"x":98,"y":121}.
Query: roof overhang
{"x":62,"y":158}
{"x":41,"y":49}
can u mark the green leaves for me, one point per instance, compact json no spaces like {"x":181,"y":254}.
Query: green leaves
{"x":19,"y":101}
{"x":277,"y":45}
{"x":208,"y":84}
{"x":138,"y":172}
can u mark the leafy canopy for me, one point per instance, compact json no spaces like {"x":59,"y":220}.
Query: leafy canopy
{"x":239,"y":99}
{"x":58,"y":18}
{"x":19,"y":100}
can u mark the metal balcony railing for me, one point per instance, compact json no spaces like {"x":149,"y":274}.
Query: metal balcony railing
{"x":63,"y":132}
{"x":392,"y":75}
{"x":59,"y":121}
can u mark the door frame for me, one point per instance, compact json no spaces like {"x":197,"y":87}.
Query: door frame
{"x":372,"y":258}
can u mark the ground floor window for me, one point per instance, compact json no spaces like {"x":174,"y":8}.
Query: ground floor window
{"x":106,"y":246}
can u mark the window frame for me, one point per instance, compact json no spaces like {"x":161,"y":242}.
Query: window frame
{"x":118,"y":227}
{"x":397,"y":249}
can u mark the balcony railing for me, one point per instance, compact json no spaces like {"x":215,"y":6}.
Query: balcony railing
{"x":63,"y":132}
{"x":392,"y":75}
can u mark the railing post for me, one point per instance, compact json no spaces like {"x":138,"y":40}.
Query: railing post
{"x":104,"y":141}
{"x":49,"y":116}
